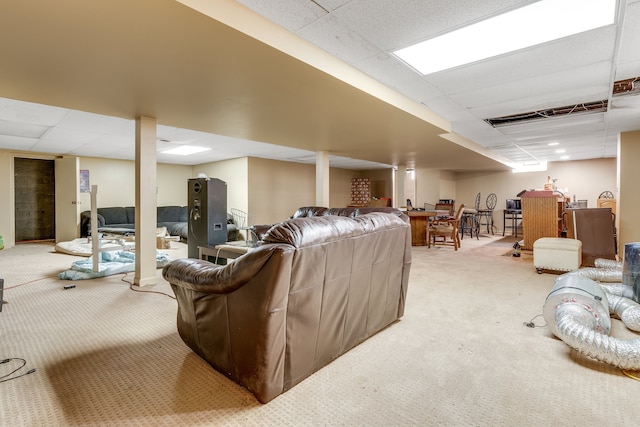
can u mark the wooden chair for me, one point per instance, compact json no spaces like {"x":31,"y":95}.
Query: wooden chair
{"x":607,"y":200}
{"x":446,"y":229}
{"x":445,"y":207}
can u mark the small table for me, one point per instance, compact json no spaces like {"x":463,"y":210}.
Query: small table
{"x":223,"y":251}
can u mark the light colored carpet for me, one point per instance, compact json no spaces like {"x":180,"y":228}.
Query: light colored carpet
{"x":461,"y":356}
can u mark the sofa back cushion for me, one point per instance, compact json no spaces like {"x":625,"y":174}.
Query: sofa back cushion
{"x":307,"y":211}
{"x":172,"y":214}
{"x":131,"y":214}
{"x":114,"y":215}
{"x":348,"y":281}
{"x":307,"y":231}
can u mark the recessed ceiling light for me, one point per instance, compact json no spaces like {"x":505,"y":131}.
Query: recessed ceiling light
{"x":185,"y":150}
{"x":527,"y":26}
{"x":553,"y":143}
{"x":564,"y":158}
{"x":561,"y":150}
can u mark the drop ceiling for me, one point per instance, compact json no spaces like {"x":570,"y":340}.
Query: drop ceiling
{"x":76,"y":75}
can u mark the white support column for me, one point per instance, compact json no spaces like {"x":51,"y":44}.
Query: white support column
{"x":400,"y":198}
{"x":146,"y":201}
{"x":322,"y":178}
{"x":628,"y":202}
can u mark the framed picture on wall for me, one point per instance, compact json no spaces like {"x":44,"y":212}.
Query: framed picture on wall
{"x":84,"y":181}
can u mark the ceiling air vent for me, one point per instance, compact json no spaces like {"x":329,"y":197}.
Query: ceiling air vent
{"x":587,"y":107}
{"x":620,"y":88}
{"x":626,"y":87}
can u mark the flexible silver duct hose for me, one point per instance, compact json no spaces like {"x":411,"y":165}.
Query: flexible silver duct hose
{"x":626,"y":310}
{"x":607,"y":263}
{"x":580,"y":299}
{"x":599,"y":274}
{"x":577,"y":312}
{"x":618,"y":289}
{"x":621,"y":353}
{"x":576,"y":307}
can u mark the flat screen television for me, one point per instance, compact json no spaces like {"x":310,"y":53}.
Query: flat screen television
{"x":514,"y":204}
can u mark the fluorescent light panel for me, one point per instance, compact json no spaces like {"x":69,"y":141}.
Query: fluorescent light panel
{"x":531,"y":25}
{"x":185,"y":150}
{"x":535,"y":167}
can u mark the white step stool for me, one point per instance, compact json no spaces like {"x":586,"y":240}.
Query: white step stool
{"x":557,"y":254}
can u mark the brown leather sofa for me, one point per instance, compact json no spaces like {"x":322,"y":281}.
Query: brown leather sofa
{"x":316,"y":287}
{"x":308,"y":211}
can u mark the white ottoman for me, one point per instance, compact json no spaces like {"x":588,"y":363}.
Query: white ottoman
{"x":556,"y":253}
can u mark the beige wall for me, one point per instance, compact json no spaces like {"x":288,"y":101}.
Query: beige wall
{"x":427,"y":187}
{"x":629,"y":199}
{"x":277,"y":189}
{"x":448,"y":185}
{"x":235,"y":173}
{"x":274,"y":189}
{"x":6,"y":195}
{"x":381,"y":182}
{"x":433,"y":185}
{"x":586,"y":179}
{"x":116,"y":183}
{"x":340,"y":186}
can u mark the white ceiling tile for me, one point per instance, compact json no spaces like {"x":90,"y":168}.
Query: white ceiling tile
{"x":630,"y":38}
{"x":28,"y":112}
{"x":17,"y":142}
{"x":291,"y":14}
{"x":392,"y":73}
{"x":338,"y":40}
{"x":331,"y":4}
{"x":52,"y":146}
{"x":22,"y":129}
{"x":69,"y":135}
{"x":112,"y":141}
{"x":80,"y":121}
{"x":585,"y":85}
{"x":399,"y":23}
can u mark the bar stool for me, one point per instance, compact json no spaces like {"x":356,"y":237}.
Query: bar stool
{"x":513,"y":213}
{"x":487,"y":214}
{"x":469,"y":220}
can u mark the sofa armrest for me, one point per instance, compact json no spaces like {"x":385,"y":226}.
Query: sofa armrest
{"x":206,"y":277}
{"x":101,"y":221}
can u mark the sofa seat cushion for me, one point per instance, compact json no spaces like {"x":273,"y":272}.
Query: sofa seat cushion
{"x":176,"y":228}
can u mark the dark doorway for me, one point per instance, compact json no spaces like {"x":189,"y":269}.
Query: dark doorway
{"x":35,"y":190}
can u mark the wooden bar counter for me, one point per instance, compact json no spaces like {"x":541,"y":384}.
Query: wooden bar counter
{"x":541,"y":216}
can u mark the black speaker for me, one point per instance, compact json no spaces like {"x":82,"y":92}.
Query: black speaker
{"x":207,"y":206}
{"x":1,"y":292}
